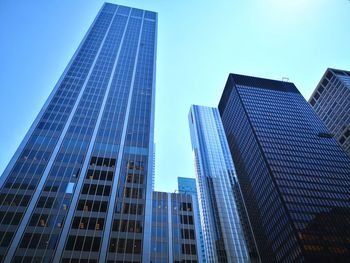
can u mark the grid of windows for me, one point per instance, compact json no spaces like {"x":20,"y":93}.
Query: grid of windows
{"x":131,"y":187}
{"x":173,"y":229}
{"x":331,"y":101}
{"x":88,"y":152}
{"x":293,"y":180}
{"x":185,"y":241}
{"x":104,"y":158}
{"x":188,"y":186}
{"x":160,"y":225}
{"x":69,"y":161}
{"x":25,"y":175}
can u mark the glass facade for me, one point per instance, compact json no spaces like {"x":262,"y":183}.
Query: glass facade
{"x":77,"y":189}
{"x":331,"y":102}
{"x":188,"y":186}
{"x":174,"y":237}
{"x":294,"y":177}
{"x":220,"y":210}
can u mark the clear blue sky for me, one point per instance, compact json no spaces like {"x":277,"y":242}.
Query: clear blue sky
{"x":199,"y":44}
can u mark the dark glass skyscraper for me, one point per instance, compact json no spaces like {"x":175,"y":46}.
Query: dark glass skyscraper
{"x":295,"y":178}
{"x":79,"y":187}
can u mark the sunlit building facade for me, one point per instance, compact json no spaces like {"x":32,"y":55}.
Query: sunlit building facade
{"x":223,"y":234}
{"x":331,"y":102}
{"x":294,"y":176}
{"x":79,"y":187}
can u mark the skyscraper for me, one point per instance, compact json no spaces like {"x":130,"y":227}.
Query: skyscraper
{"x":188,"y":186}
{"x":174,"y":228}
{"x":79,"y":187}
{"x":295,"y":178}
{"x":331,"y":102}
{"x":223,"y":234}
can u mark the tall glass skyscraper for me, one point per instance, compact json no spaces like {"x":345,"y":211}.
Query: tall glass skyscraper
{"x":331,"y":102}
{"x":79,"y":187}
{"x":188,"y":186}
{"x":295,"y":178}
{"x":223,"y":233}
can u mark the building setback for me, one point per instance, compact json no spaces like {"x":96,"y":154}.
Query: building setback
{"x":295,"y":178}
{"x":79,"y":187}
{"x":218,"y":188}
{"x":174,"y":228}
{"x":331,"y":102}
{"x":188,"y":186}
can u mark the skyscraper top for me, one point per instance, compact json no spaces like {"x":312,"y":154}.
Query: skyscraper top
{"x":263,"y":83}
{"x":254,"y":82}
{"x":187,"y":185}
{"x":124,"y":10}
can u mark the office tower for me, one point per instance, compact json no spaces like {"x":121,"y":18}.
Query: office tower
{"x":174,"y":228}
{"x":223,"y":233}
{"x":188,"y":186}
{"x":78,"y":189}
{"x":331,"y":102}
{"x":295,"y":178}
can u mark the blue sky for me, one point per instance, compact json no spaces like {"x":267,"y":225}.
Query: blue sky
{"x":199,"y":44}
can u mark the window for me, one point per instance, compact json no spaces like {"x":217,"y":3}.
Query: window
{"x":134,"y":209}
{"x":133,"y":192}
{"x":99,"y":175}
{"x":187,"y":220}
{"x":186,"y":206}
{"x":100,"y":161}
{"x":46,"y":202}
{"x":10,"y":218}
{"x":81,"y":243}
{"x":342,"y":140}
{"x":129,"y":246}
{"x":189,"y":249}
{"x":187,"y":234}
{"x":95,"y":206}
{"x":134,"y":178}
{"x":70,"y":188}
{"x":93,"y":189}
{"x":6,"y":238}
{"x":127,"y":226}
